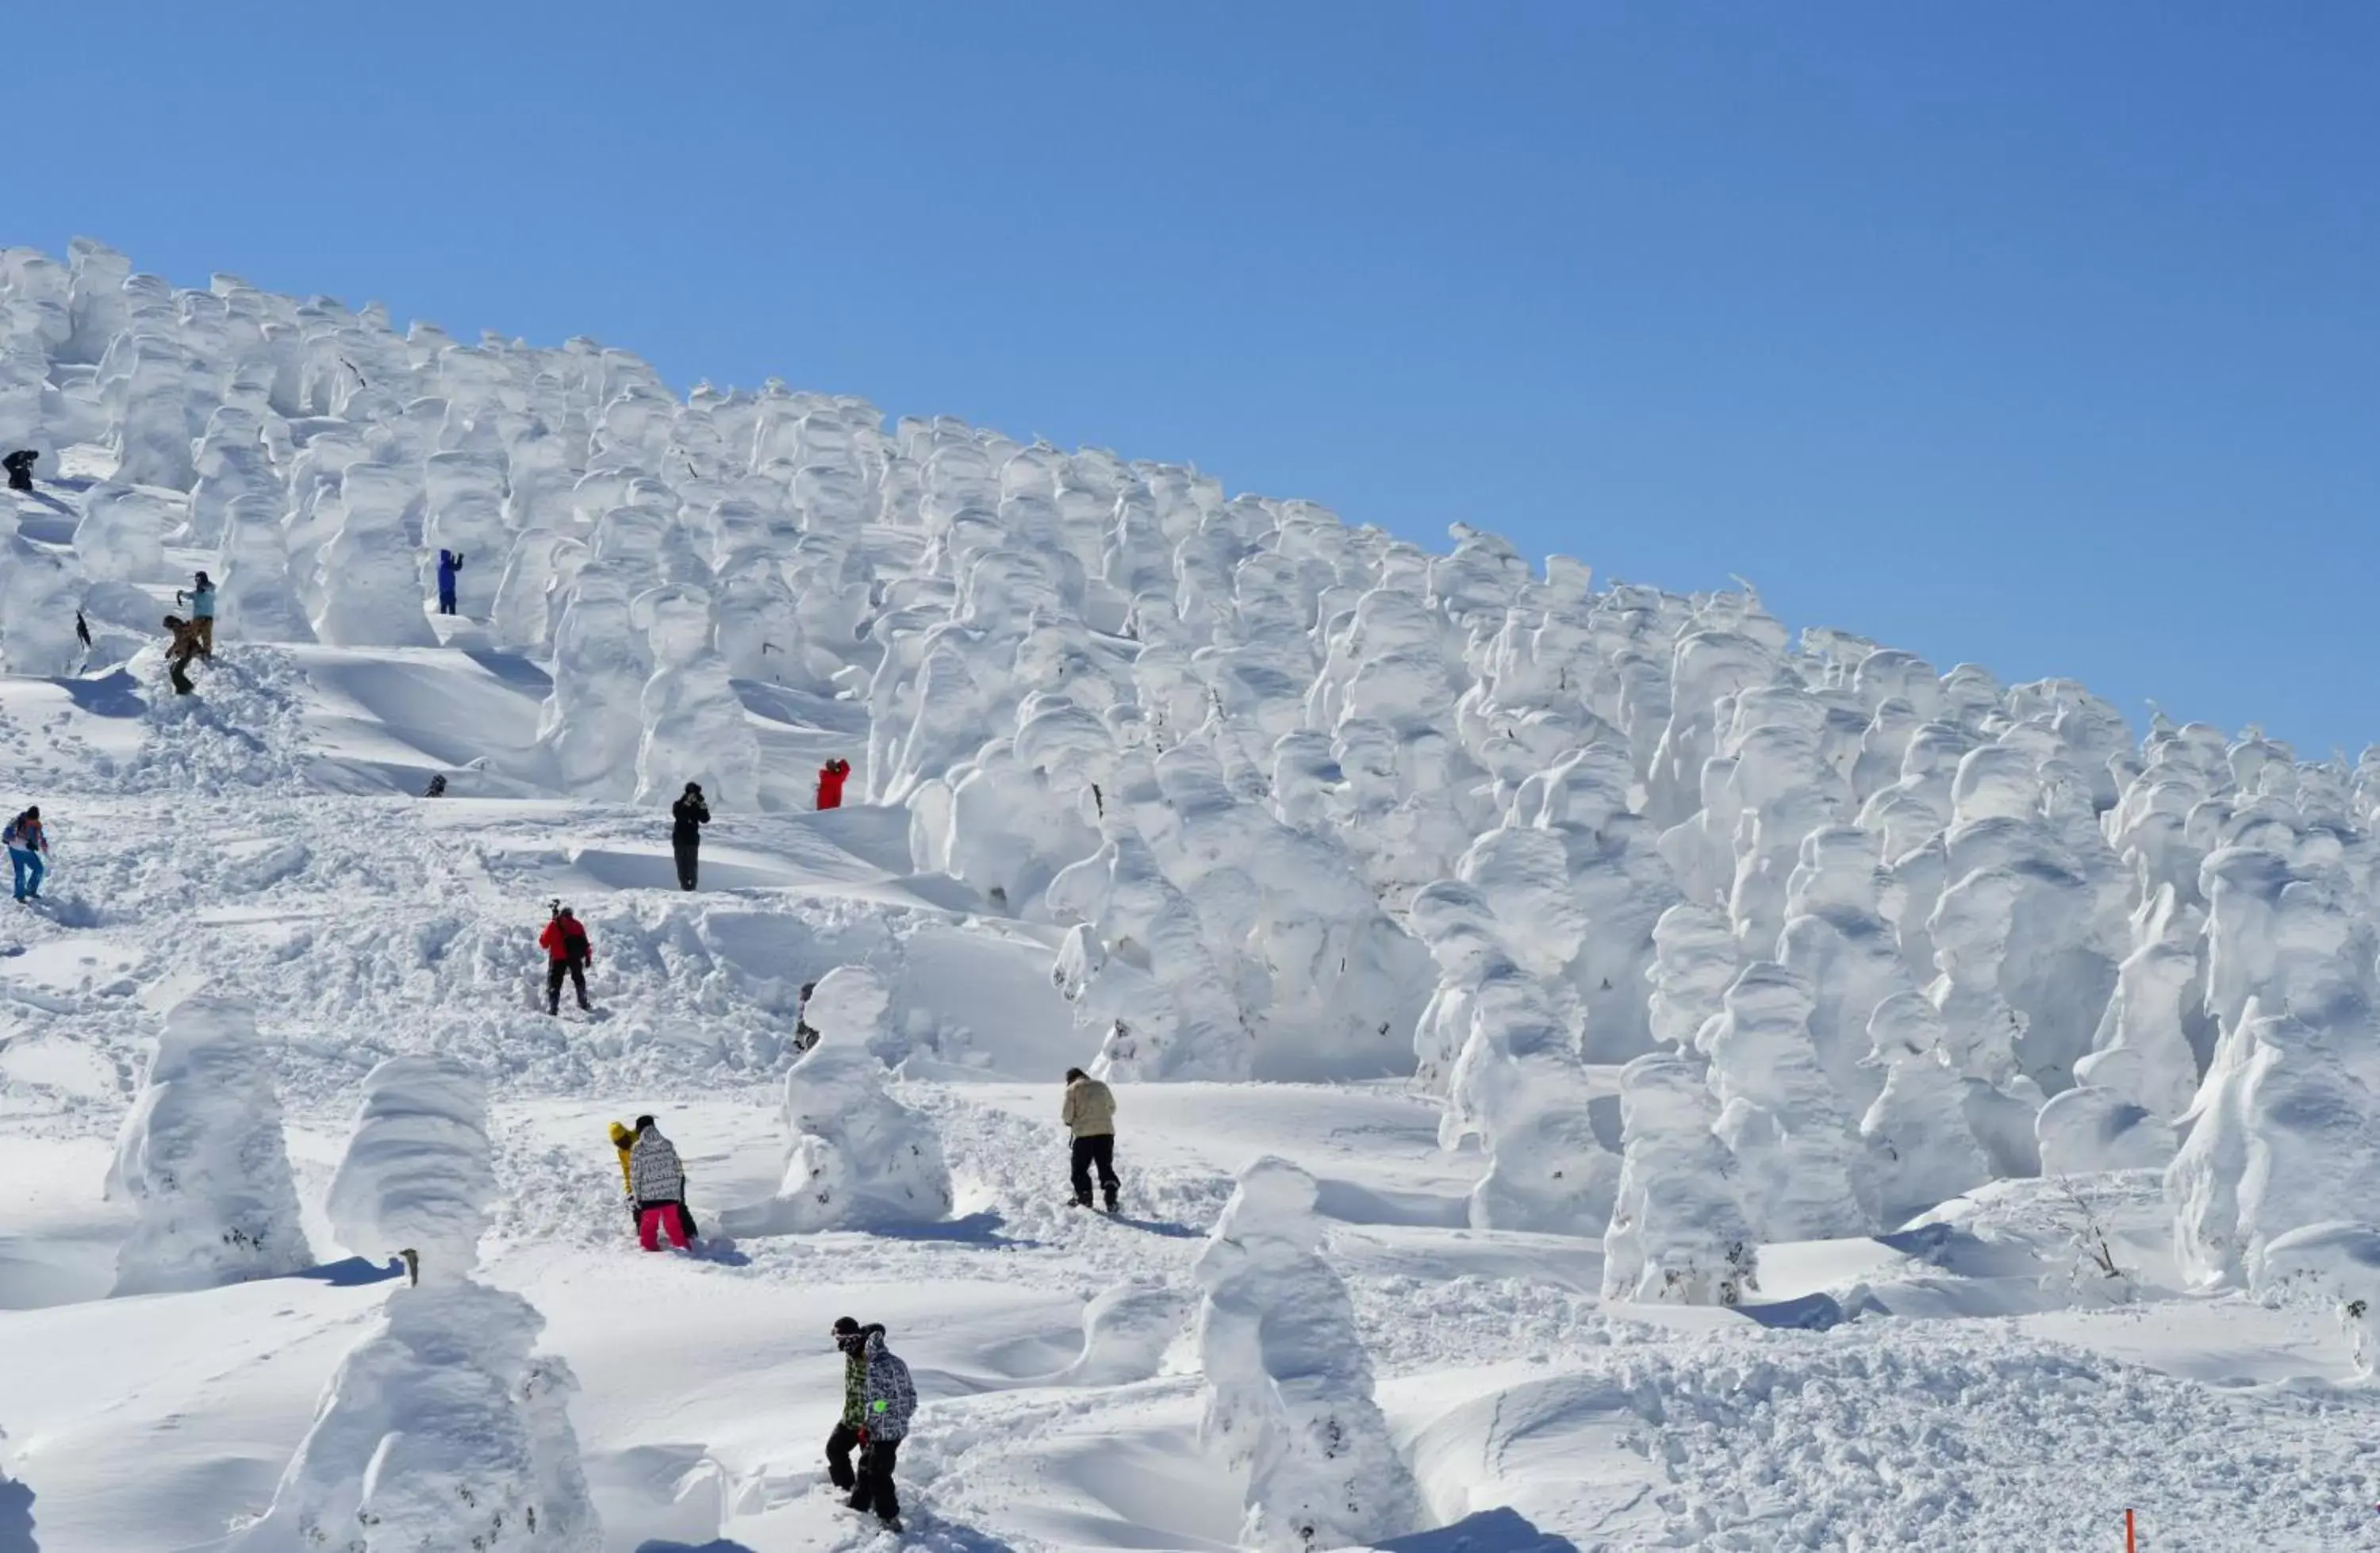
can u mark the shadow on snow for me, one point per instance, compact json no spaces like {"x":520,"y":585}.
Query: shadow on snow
{"x":1502,"y":1530}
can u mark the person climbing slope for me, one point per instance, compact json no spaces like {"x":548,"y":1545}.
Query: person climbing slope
{"x":19,"y":466}
{"x":567,"y":954}
{"x":878,"y":1400}
{"x":1088,"y":1112}
{"x":449,"y":563}
{"x":830,"y":782}
{"x":201,"y":598}
{"x":26,"y":848}
{"x":624,"y":1142}
{"x":657,"y":1186}
{"x":179,"y":651}
{"x":688,"y":816}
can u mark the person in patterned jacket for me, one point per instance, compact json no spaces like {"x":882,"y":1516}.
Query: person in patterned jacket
{"x":657,"y":1185}
{"x":877,"y":1399}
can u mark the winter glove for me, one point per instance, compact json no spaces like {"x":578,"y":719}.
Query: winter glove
{"x":862,"y":1432}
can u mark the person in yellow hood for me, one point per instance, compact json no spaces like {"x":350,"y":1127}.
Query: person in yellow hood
{"x":623,"y":1140}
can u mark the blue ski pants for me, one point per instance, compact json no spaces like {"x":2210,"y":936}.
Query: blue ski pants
{"x":29,"y":870}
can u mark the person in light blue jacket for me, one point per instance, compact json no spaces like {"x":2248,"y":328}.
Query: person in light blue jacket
{"x":201,"y":599}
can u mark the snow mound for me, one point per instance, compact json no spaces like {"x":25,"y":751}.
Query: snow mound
{"x":1127,"y":1330}
{"x":2335,"y":1264}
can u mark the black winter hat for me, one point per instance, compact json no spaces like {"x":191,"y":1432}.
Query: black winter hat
{"x":845,"y":1327}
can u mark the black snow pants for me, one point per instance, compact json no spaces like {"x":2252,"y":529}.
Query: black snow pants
{"x":688,"y":855}
{"x":576,"y":970}
{"x":838,"y":1457}
{"x":875,"y":1491}
{"x":1100,"y":1151}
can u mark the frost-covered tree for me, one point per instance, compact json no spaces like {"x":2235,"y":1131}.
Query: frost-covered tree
{"x":1922,"y":1145}
{"x":2285,"y":1127}
{"x":858,"y":1158}
{"x":202,"y":1159}
{"x":1613,"y":870}
{"x":592,"y":722}
{"x":1803,"y":1179}
{"x":416,"y":1173}
{"x":369,"y":576}
{"x":2145,"y":1048}
{"x":695,"y":726}
{"x":442,"y":1428}
{"x":1289,"y":1384}
{"x":1145,"y":920}
{"x":1785,"y":787}
{"x":40,"y":589}
{"x":121,"y":535}
{"x":1678,"y":1233}
{"x":1696,"y":959}
{"x":2030,"y":925}
{"x":1460,"y":928}
{"x":1521,"y":1088}
{"x":1835,"y":934}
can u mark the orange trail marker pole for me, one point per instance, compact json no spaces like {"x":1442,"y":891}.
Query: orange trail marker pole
{"x":2127,"y":1532}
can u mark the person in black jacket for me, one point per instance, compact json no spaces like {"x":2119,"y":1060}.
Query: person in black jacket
{"x":691,"y":814}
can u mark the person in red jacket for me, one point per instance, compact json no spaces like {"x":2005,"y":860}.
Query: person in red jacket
{"x":567,"y":953}
{"x":830,"y":776}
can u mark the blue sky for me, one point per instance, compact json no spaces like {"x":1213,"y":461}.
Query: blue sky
{"x":2046,"y":336}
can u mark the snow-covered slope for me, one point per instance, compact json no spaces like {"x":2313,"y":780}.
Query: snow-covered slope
{"x":1511,"y":916}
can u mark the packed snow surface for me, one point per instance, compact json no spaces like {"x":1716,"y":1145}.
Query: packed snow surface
{"x":1596,"y":1069}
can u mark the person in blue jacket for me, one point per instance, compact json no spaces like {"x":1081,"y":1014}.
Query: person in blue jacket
{"x":26,"y":847}
{"x":449,"y":563}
